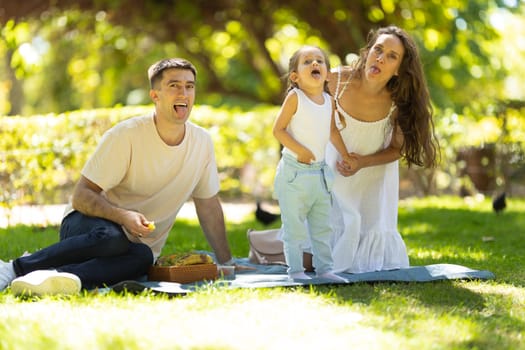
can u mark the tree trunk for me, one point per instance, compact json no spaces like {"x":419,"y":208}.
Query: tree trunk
{"x":16,"y":93}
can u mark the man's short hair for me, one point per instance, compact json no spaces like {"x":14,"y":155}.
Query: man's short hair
{"x":156,"y":69}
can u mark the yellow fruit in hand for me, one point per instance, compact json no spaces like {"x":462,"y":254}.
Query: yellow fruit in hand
{"x":151,"y":226}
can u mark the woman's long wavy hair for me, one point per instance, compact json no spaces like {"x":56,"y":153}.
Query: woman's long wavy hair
{"x":410,"y":93}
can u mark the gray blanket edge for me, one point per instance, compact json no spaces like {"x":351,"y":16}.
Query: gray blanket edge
{"x":266,"y":276}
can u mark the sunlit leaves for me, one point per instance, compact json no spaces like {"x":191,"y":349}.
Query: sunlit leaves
{"x":419,"y":17}
{"x":388,"y":6}
{"x":41,"y":154}
{"x":19,"y":41}
{"x":16,"y":33}
{"x":340,"y":15}
{"x":238,"y":48}
{"x":375,"y":14}
{"x":509,"y":52}
{"x":448,"y":81}
{"x":432,"y":39}
{"x":472,"y":51}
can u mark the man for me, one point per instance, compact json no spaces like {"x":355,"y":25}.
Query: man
{"x":128,"y":196}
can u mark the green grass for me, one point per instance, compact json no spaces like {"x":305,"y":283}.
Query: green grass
{"x":435,"y":315}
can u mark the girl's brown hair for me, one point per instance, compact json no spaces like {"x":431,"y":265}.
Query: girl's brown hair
{"x":410,"y":93}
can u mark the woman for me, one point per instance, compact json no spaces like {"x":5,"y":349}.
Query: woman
{"x":384,"y":115}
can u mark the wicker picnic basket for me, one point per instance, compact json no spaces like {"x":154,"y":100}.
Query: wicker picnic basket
{"x":183,"y":274}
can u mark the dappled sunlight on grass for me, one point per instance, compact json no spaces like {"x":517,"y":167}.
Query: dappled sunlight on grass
{"x":230,"y":320}
{"x":449,"y":314}
{"x":512,"y":295}
{"x":478,"y":202}
{"x":449,"y":331}
{"x":444,"y":311}
{"x":447,"y":254}
{"x":418,"y":228}
{"x":466,"y":232}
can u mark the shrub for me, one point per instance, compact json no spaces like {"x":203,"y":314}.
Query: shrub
{"x":41,"y":156}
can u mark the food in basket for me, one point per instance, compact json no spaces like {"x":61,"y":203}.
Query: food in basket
{"x":183,"y":268}
{"x":184,"y":259}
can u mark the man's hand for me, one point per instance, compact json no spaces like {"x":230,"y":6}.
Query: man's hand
{"x":136,"y":224}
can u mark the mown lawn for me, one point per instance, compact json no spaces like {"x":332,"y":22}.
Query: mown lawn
{"x":434,"y":315}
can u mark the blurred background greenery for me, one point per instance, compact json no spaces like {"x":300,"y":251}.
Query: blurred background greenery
{"x":70,"y":69}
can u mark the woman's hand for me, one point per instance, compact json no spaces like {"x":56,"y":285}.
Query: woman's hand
{"x":349,"y":165}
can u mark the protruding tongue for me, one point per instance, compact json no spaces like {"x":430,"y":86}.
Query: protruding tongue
{"x":181,"y":110}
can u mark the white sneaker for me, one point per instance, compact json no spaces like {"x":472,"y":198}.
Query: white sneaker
{"x":7,"y":274}
{"x":46,"y":282}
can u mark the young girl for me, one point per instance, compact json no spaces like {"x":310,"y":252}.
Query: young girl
{"x":303,"y":182}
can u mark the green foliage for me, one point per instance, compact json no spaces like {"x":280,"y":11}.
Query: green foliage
{"x":96,"y":57}
{"x":65,"y":59}
{"x":501,"y":131}
{"x":42,"y":155}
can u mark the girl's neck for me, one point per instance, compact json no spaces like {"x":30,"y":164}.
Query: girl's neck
{"x":313,"y":94}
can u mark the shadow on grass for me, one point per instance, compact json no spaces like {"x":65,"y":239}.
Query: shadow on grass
{"x":489,"y":315}
{"x":476,"y":239}
{"x":439,"y":226}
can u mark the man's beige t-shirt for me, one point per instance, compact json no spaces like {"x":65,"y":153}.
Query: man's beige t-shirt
{"x":138,"y":171}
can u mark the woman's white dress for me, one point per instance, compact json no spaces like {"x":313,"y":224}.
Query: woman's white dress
{"x":364,"y":216}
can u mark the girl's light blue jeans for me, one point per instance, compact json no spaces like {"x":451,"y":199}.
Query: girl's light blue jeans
{"x":303,"y":192}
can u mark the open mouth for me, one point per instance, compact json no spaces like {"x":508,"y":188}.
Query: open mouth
{"x":180,"y":106}
{"x":316,"y":73}
{"x":375,"y":70}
